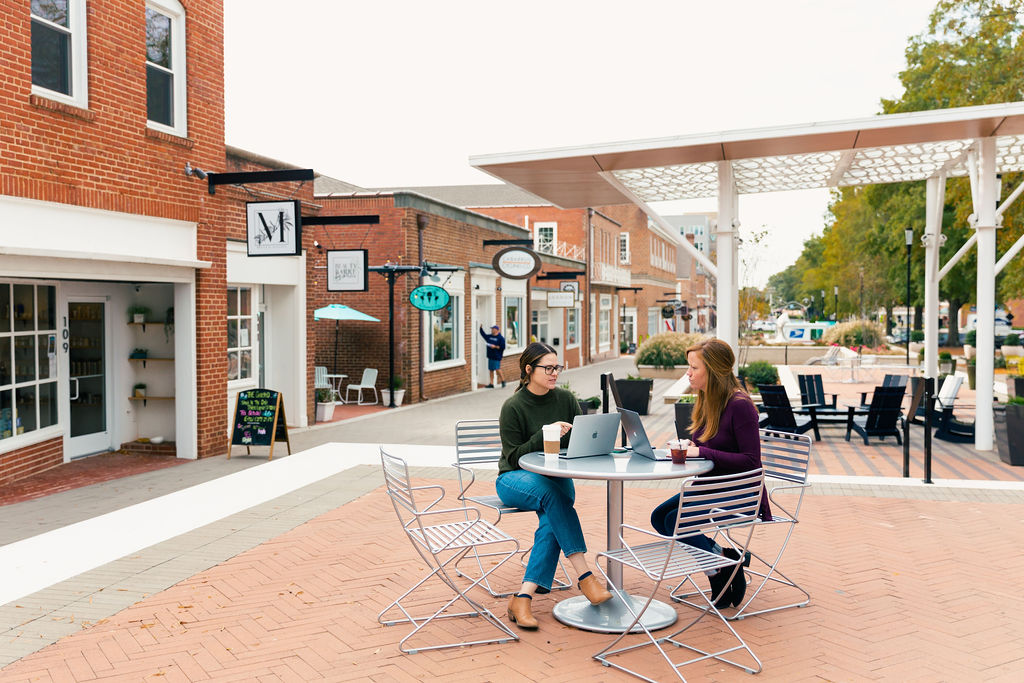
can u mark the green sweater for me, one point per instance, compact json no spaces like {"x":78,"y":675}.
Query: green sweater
{"x":521,"y":420}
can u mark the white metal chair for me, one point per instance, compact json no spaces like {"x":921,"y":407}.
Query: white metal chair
{"x":320,"y":380}
{"x":478,"y":442}
{"x":368,"y":381}
{"x":709,"y":506}
{"x":442,"y":537}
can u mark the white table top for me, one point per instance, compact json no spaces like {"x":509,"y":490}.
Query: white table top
{"x":607,"y":467}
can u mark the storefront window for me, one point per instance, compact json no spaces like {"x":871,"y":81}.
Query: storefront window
{"x":539,"y":325}
{"x":604,"y":322}
{"x":241,"y":333}
{"x":513,"y":321}
{"x":445,"y":333}
{"x":572,"y":325}
{"x":653,"y":316}
{"x":28,"y":369}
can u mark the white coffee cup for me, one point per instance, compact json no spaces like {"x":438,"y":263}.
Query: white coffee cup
{"x":552,"y":435}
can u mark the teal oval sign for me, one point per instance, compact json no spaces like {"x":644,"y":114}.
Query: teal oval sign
{"x":429,"y":298}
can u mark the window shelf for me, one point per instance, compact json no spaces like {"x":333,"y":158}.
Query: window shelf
{"x":150,"y":398}
{"x":148,"y":322}
{"x":149,"y":359}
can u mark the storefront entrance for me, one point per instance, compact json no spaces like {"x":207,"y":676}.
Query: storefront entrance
{"x":85,"y":337}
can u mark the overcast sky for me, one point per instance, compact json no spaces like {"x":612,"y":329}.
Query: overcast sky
{"x":401,"y":93}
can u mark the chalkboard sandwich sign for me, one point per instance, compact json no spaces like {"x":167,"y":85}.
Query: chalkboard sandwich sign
{"x":259,"y":420}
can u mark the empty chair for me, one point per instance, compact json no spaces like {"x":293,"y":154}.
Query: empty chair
{"x":320,"y":380}
{"x":812,"y":393}
{"x":882,"y":416}
{"x":707,"y":505}
{"x":831,"y":357}
{"x":945,"y":398}
{"x":781,"y":417}
{"x":368,"y":382}
{"x":442,"y":537}
{"x":949,"y":427}
{"x":889,"y":380}
{"x":478,"y":442}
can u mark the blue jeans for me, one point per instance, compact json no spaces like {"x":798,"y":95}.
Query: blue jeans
{"x":664,"y":518}
{"x":559,"y":530}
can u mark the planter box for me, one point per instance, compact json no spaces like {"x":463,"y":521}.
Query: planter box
{"x":1014,"y":386}
{"x":1012,"y":351}
{"x":652,"y":372}
{"x":684,"y":413}
{"x":385,"y":397}
{"x":635,"y":394}
{"x":324,"y":412}
{"x":1009,"y":429}
{"x":971,"y":372}
{"x":968,"y":351}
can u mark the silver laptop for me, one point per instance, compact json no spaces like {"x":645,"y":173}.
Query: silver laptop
{"x":637,"y":436}
{"x":592,"y":435}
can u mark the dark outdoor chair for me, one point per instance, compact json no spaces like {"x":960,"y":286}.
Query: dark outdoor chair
{"x":881,"y":417}
{"x":950,"y":428}
{"x":887,"y":381}
{"x":781,"y":417}
{"x":812,"y":394}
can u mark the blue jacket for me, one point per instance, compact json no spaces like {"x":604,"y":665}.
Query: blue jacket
{"x":496,"y":339}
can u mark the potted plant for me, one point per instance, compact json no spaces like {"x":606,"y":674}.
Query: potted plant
{"x":947,"y":364}
{"x":139,"y":390}
{"x":138,"y":353}
{"x":970,"y":341}
{"x":1015,"y":385}
{"x":590,"y":405}
{"x":684,"y":414}
{"x":138,"y":313}
{"x":324,"y":405}
{"x":663,"y":355}
{"x":758,"y":372}
{"x":970,"y":372}
{"x":1012,"y":347}
{"x":1008,"y":421}
{"x":916,"y":337}
{"x":635,"y":393}
{"x":396,"y":385}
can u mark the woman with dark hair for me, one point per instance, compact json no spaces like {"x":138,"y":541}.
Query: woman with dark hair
{"x":724,"y":426}
{"x":535,"y":403}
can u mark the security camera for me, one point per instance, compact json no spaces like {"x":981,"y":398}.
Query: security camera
{"x":197,"y":172}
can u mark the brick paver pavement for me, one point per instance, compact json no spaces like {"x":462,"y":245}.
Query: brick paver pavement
{"x":902,"y":590}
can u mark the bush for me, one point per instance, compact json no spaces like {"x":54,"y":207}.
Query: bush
{"x":687,"y":398}
{"x":666,"y":349}
{"x":855,"y":333}
{"x":945,"y":355}
{"x":916,"y":336}
{"x":999,"y":362}
{"x":1015,"y":401}
{"x":1012,"y":339}
{"x":759,"y":372}
{"x":971,"y":338}
{"x":323,"y":395}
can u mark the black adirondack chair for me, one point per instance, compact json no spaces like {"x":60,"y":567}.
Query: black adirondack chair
{"x":781,"y":417}
{"x":882,"y":416}
{"x":887,"y":381}
{"x":812,"y":394}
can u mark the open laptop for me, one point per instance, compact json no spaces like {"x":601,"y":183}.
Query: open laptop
{"x":637,"y":435}
{"x":592,"y":435}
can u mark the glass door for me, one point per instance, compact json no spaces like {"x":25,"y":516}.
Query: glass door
{"x":87,"y":377}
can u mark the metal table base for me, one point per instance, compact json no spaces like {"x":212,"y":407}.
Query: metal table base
{"x":612,"y":616}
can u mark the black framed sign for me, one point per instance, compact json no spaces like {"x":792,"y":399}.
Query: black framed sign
{"x":259,"y":421}
{"x":347,"y":270}
{"x":273,"y":228}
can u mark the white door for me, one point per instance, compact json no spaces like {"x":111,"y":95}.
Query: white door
{"x":483,"y":315}
{"x":86,"y":342}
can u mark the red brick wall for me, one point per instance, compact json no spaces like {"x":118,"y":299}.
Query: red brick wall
{"x":105,"y":157}
{"x":30,"y":460}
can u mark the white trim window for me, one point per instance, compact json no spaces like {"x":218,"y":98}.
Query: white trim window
{"x":59,"y":61}
{"x":624,"y":248}
{"x":242,"y":351}
{"x":165,"y":67}
{"x":545,"y":237}
{"x":653,"y":316}
{"x":593,"y":323}
{"x":28,"y":359}
{"x":604,"y":323}
{"x":572,"y":328}
{"x":513,"y":322}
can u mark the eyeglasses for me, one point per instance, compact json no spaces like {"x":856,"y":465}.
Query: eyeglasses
{"x":551,"y":369}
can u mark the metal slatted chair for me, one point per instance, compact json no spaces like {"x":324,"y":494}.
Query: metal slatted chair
{"x":882,"y":417}
{"x":707,"y":505}
{"x":368,"y":382}
{"x":320,"y":380}
{"x":442,"y":537}
{"x":478,"y":442}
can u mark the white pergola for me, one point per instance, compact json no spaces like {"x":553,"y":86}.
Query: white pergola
{"x":979,"y":142}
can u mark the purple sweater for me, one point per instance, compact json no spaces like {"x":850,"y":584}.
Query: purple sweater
{"x":737,"y":445}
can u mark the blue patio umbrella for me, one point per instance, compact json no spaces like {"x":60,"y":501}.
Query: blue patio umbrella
{"x":337,"y":312}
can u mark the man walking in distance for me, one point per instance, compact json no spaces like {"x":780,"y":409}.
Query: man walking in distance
{"x":495,"y":351}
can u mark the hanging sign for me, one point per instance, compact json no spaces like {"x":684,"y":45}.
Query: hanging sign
{"x":668,"y":311}
{"x":258,"y":420}
{"x":573,"y":287}
{"x":429,"y":298}
{"x":347,"y":270}
{"x":273,"y":228}
{"x":516,"y":263}
{"x":561,"y":299}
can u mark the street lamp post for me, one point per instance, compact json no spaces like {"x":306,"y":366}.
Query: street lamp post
{"x":823,"y":316}
{"x":835,"y":300}
{"x":812,"y":306}
{"x":861,"y":272}
{"x":909,"y":234}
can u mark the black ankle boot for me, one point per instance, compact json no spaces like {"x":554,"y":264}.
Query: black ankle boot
{"x":720,"y":588}
{"x":738,"y":587}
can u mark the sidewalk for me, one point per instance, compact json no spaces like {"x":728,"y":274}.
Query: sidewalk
{"x":247,"y":570}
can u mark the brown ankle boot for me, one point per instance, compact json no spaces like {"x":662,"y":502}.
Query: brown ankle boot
{"x":520,"y":612}
{"x":593,"y":590}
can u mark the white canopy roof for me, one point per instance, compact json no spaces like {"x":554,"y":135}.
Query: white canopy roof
{"x":877,"y":149}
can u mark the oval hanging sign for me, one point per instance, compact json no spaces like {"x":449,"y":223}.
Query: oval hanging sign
{"x":516,"y":263}
{"x":429,"y":298}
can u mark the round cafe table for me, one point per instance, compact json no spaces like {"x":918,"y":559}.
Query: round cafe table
{"x":612,"y":616}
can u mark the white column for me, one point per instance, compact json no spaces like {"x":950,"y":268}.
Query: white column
{"x":728,"y":277}
{"x":986,"y":232}
{"x":935,"y":196}
{"x":185,"y":380}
